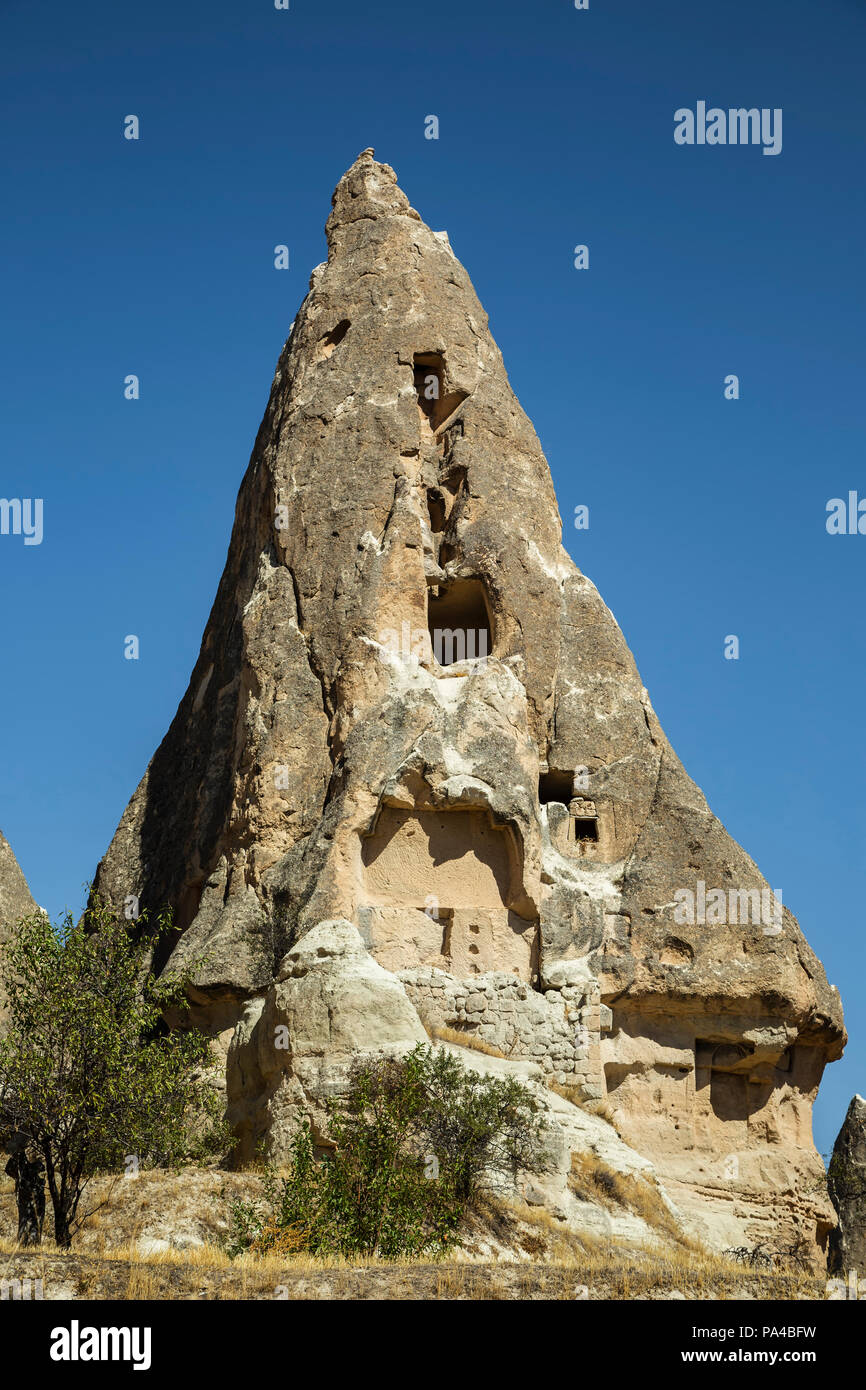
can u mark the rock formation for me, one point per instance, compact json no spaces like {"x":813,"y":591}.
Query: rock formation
{"x":847,"y":1183}
{"x":15,"y":899}
{"x":414,"y":720}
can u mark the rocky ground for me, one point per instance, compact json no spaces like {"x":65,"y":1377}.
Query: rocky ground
{"x":161,"y":1236}
{"x":77,"y":1276}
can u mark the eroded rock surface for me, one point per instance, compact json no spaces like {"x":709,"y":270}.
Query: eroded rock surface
{"x":332,"y":1002}
{"x":15,"y":898}
{"x":413,"y":714}
{"x":847,"y":1184}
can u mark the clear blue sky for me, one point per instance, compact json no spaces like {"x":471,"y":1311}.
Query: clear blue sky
{"x":707,"y":516}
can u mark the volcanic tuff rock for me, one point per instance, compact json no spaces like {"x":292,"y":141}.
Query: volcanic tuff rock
{"x":339,"y":756}
{"x":848,"y":1192}
{"x":15,"y":899}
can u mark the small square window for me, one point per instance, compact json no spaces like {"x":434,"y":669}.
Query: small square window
{"x":586,"y":828}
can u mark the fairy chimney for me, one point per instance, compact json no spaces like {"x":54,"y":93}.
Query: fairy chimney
{"x":412,"y":715}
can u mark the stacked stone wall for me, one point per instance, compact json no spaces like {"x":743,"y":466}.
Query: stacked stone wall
{"x":558,"y":1029}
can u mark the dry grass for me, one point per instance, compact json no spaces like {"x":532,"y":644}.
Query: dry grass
{"x":454,"y":1035}
{"x":511,"y":1251}
{"x":593,"y":1180}
{"x":627,"y":1271}
{"x":602,"y":1108}
{"x":556,"y":1265}
{"x":569,"y":1093}
{"x":155,"y":1205}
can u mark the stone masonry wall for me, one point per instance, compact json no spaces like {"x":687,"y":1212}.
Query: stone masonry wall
{"x":559,"y":1029}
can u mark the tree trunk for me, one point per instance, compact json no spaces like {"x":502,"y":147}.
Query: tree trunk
{"x":29,"y":1176}
{"x":62,"y":1233}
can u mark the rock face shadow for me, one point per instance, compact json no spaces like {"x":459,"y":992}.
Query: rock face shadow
{"x":457,"y":856}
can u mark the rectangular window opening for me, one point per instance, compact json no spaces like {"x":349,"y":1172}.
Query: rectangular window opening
{"x":586,"y":828}
{"x":555,"y":786}
{"x":459,"y":622}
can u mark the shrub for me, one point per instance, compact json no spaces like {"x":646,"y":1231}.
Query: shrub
{"x":415,"y":1140}
{"x":482,"y":1129}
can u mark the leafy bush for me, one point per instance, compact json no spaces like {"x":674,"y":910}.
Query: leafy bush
{"x":480,"y":1128}
{"x":415,"y":1140}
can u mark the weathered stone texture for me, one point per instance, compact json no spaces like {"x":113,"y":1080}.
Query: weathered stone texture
{"x":848,"y":1193}
{"x":335,"y":759}
{"x":15,"y":897}
{"x":558,"y":1029}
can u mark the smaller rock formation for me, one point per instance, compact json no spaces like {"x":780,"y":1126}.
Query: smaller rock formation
{"x":847,"y":1186}
{"x":15,"y":898}
{"x":331,"y":1002}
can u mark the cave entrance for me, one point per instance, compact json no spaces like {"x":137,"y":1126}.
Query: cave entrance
{"x":436,"y":511}
{"x":459,"y":621}
{"x":555,"y":786}
{"x":435,"y":402}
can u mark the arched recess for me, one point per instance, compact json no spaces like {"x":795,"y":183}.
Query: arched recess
{"x":444,"y":886}
{"x":460,"y":621}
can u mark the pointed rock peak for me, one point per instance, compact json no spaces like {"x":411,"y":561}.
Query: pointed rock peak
{"x":413,"y":716}
{"x":15,"y":897}
{"x":847,"y":1188}
{"x":367,"y":190}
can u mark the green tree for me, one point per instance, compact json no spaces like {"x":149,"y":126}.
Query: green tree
{"x":91,"y":1080}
